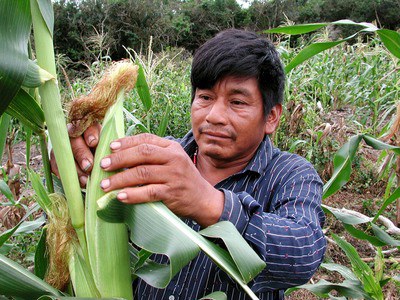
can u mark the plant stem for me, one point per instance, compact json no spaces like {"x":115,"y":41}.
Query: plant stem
{"x":46,"y":162}
{"x":56,"y":124}
{"x":4,"y":122}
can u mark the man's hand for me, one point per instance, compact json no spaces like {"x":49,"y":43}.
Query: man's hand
{"x":158,"y":169}
{"x":82,"y":148}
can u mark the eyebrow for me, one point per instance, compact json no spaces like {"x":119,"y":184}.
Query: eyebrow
{"x":240,"y":91}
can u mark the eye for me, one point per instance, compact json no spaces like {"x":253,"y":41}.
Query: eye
{"x":205,"y":97}
{"x":238,"y":102}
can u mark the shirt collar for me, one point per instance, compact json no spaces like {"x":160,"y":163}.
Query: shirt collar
{"x":257,"y":164}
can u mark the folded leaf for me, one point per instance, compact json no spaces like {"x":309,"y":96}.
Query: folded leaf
{"x":155,"y":228}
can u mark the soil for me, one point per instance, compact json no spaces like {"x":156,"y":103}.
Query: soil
{"x":16,"y":173}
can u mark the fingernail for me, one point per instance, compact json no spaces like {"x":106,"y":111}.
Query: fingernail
{"x":86,"y":164}
{"x":115,"y":145}
{"x":105,"y":183}
{"x":105,"y":162}
{"x":122,"y":196}
{"x":91,"y":139}
{"x":83,"y":180}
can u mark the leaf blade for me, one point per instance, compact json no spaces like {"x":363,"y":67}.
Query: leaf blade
{"x":15,"y":25}
{"x":19,"y":282}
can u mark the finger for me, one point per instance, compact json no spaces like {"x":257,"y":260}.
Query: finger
{"x":53,"y":164}
{"x":134,"y":156}
{"x":92,"y":134}
{"x":82,"y":176}
{"x":82,"y":154}
{"x":135,"y":140}
{"x":141,"y":194}
{"x":141,"y":175}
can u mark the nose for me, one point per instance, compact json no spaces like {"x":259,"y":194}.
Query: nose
{"x":217,"y":113}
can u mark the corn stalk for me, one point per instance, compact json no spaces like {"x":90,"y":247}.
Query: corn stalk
{"x":56,"y":124}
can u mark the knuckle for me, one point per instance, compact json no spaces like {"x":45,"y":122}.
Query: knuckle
{"x":116,"y":159}
{"x":145,"y":150}
{"x":145,"y":137}
{"x":152,"y":192}
{"x":142,"y":172}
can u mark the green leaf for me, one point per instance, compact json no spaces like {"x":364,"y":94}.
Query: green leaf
{"x":361,"y":269}
{"x":15,"y":28}
{"x":306,"y":28}
{"x":155,"y":228}
{"x":379,"y":145}
{"x":250,"y":267}
{"x":143,"y":256}
{"x":35,"y":76}
{"x":215,"y":296}
{"x":41,"y":256}
{"x":19,"y":282}
{"x":393,"y":197}
{"x":345,"y":216}
{"x":136,"y":123}
{"x":81,"y":275}
{"x":6,"y":248}
{"x":343,"y":270}
{"x":25,"y":108}
{"x":310,"y":51}
{"x":316,"y":48}
{"x":384,"y":237}
{"x":4,"y":236}
{"x":4,"y":123}
{"x":5,"y":190}
{"x":28,"y":149}
{"x":164,"y":122}
{"x":359,"y":234}
{"x":351,"y":289}
{"x":143,"y":88}
{"x":391,"y":39}
{"x":46,"y":9}
{"x":31,"y":226}
{"x":42,"y":196}
{"x":379,"y":266}
{"x":297,"y":29}
{"x":342,"y":166}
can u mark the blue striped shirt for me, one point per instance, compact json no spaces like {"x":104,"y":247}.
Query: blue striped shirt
{"x":275,"y":203}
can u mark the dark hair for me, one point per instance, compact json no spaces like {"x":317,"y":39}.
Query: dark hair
{"x":243,"y":54}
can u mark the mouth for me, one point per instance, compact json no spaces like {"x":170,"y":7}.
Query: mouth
{"x":216,"y":134}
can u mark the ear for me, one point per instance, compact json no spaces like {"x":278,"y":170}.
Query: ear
{"x":273,"y":119}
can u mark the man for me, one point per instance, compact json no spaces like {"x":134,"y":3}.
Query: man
{"x":226,"y":168}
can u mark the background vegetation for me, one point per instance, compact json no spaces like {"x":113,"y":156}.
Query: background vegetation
{"x":88,"y":29}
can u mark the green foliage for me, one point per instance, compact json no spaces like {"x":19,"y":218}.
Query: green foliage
{"x":89,"y":30}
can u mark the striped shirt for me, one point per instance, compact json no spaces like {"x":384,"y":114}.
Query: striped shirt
{"x":275,"y":203}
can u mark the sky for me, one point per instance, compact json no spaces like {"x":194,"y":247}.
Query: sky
{"x":244,"y":3}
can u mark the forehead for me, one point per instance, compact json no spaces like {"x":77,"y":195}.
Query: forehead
{"x":237,"y":84}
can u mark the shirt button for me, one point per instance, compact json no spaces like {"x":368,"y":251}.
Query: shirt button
{"x":171,"y":297}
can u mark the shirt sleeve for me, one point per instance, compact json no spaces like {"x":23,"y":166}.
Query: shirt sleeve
{"x":283,"y":226}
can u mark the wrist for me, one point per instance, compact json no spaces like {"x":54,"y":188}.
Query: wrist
{"x":211,"y":208}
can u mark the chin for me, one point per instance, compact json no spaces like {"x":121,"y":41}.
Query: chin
{"x":218,"y":154}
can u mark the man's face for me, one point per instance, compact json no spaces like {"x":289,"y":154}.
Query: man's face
{"x":228,"y":120}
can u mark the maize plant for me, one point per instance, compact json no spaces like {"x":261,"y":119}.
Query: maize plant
{"x":88,"y":253}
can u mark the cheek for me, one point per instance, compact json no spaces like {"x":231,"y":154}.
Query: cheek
{"x":197,"y":114}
